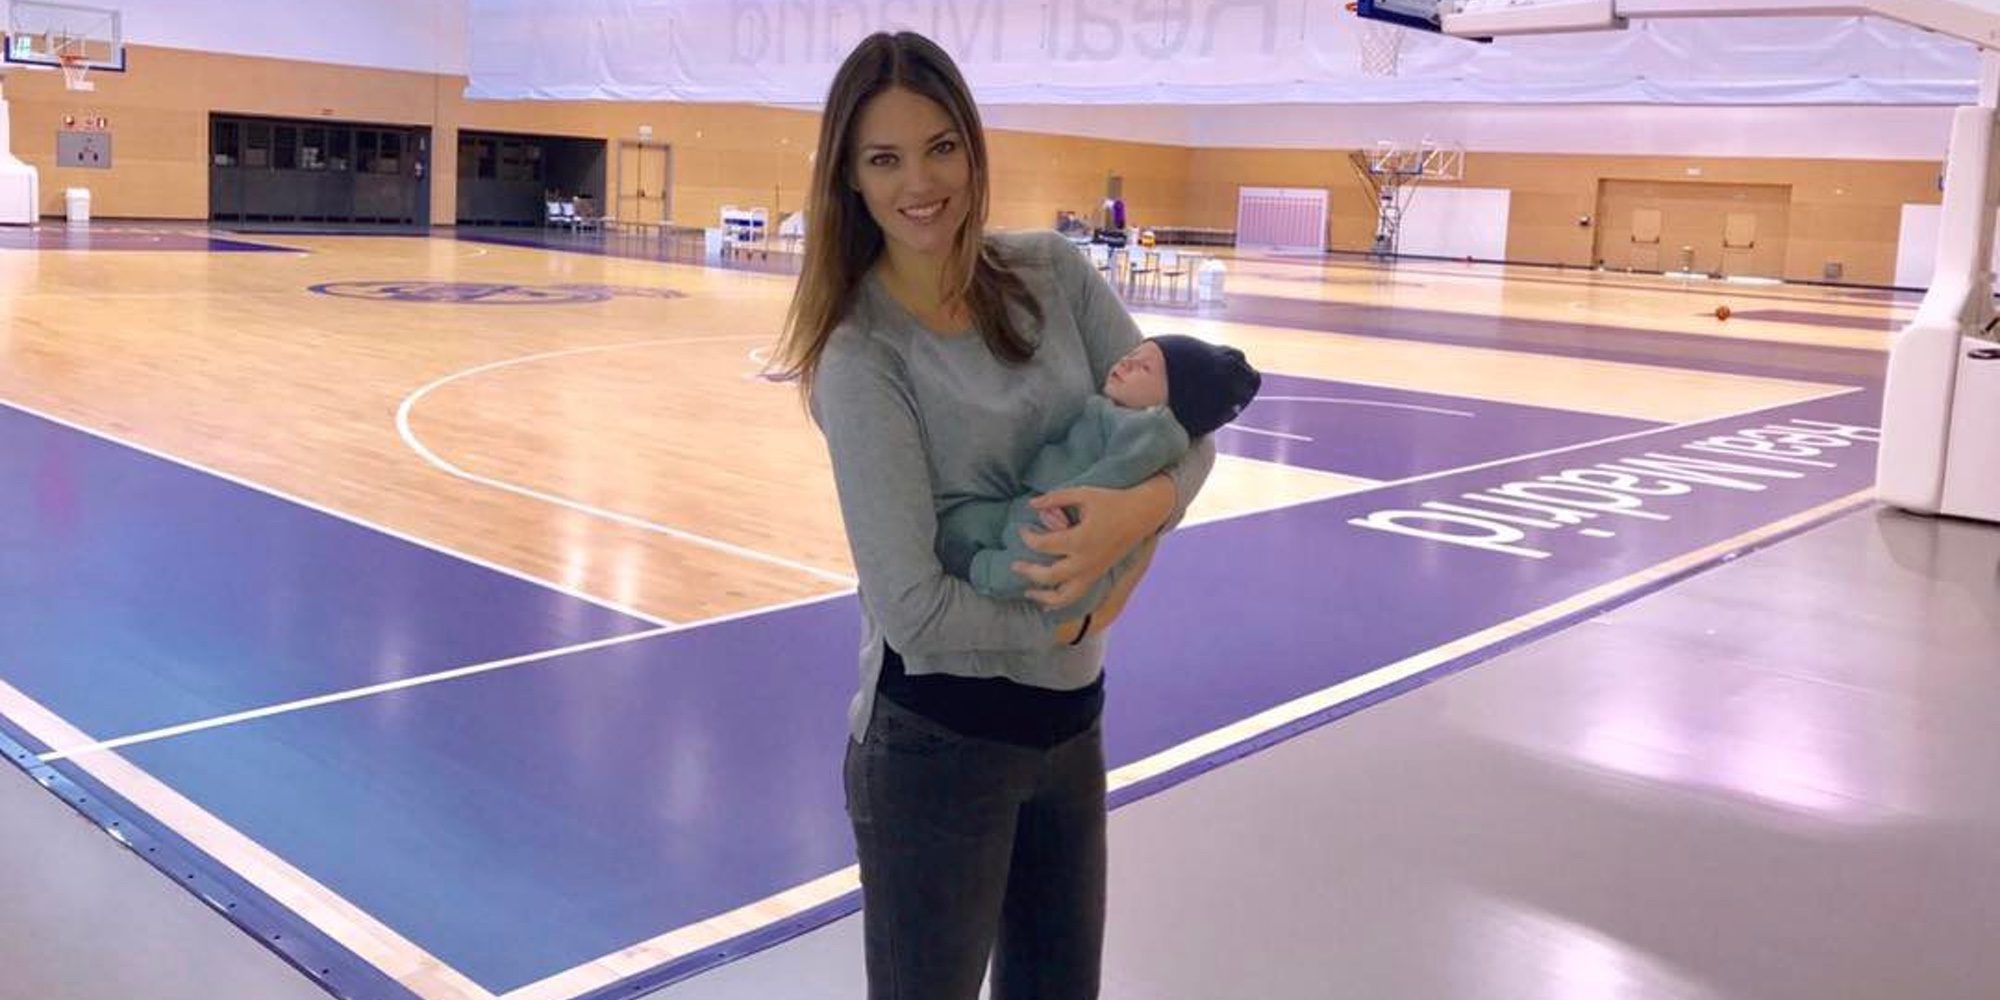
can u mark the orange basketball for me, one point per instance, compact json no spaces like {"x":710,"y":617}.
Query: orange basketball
{"x":1721,"y":312}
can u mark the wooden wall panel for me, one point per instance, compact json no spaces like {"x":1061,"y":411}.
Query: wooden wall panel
{"x":1839,"y":211}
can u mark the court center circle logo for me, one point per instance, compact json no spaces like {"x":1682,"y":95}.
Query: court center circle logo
{"x":485,"y":293}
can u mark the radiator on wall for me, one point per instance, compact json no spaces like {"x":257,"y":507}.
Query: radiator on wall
{"x":1281,"y":218}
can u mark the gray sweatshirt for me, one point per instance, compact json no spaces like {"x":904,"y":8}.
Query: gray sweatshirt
{"x":917,"y":422}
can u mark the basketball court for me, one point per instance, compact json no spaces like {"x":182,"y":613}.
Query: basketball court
{"x":458,"y":611}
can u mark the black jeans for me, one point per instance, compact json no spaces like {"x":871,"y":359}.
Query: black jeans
{"x":973,"y":848}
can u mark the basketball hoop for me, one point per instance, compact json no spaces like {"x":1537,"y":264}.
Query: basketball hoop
{"x":1381,"y":44}
{"x":76,"y":71}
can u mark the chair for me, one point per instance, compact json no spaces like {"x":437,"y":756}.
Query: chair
{"x":1100,"y":257}
{"x":1172,"y":271}
{"x":1136,"y":267}
{"x":743,"y":230}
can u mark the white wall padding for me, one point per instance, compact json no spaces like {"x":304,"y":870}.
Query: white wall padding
{"x":1456,"y":222}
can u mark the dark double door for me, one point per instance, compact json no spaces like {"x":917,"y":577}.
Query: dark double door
{"x":272,"y":170}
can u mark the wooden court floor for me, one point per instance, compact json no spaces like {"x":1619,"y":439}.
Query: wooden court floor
{"x":602,"y":426}
{"x":611,"y":435}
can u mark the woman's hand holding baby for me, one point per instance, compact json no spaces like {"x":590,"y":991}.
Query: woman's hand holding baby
{"x":1109,"y":524}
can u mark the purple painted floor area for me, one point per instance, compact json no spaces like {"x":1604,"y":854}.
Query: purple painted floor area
{"x":682,"y":247}
{"x":1893,"y":296}
{"x":137,"y":593}
{"x":1313,"y":598}
{"x":50,"y":237}
{"x":1843,"y":366}
{"x":520,"y":822}
{"x":1556,"y":274}
{"x":570,"y":808}
{"x":1381,"y":433}
{"x":1321,"y":279}
{"x":1804,"y":317}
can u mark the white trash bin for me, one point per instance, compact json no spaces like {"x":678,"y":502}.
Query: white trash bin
{"x":78,"y":202}
{"x":1208,"y":281}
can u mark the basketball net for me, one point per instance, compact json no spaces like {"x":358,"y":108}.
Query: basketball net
{"x":1381,"y":45}
{"x":75,"y":67}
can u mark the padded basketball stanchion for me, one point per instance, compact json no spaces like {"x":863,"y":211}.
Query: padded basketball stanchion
{"x":78,"y":41}
{"x":20,"y":185}
{"x":1941,"y":407}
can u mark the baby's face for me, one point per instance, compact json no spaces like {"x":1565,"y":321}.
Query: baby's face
{"x":1139,"y":379}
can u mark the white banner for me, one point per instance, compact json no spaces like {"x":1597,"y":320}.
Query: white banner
{"x":426,"y":36}
{"x":1187,"y":52}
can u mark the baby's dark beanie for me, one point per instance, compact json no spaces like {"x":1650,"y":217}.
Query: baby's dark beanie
{"x":1207,"y":384}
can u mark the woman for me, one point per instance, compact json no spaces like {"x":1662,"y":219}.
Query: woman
{"x":936,"y":360}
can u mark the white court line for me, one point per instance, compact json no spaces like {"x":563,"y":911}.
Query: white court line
{"x":761,"y":357}
{"x":629,"y":520}
{"x":1343,"y":401}
{"x":1202,"y":327}
{"x":1241,"y":429}
{"x":330,"y":512}
{"x":764,"y":610}
{"x":1336,"y":401}
{"x":340,"y":696}
{"x":420,"y":680}
{"x":348,"y":925}
{"x":1614,"y":439}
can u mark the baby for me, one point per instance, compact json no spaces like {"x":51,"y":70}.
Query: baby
{"x":1158,"y":398}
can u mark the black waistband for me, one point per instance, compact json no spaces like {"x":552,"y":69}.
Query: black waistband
{"x":993,"y":708}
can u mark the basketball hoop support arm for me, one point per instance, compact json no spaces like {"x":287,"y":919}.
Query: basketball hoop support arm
{"x":1961,"y":19}
{"x":1967,"y":20}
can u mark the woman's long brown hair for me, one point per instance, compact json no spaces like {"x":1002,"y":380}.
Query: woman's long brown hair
{"x":842,"y":239}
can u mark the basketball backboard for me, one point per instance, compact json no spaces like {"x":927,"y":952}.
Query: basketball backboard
{"x":49,"y":35}
{"x":1428,"y":160}
{"x":1423,"y":15}
{"x":1975,"y":21}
